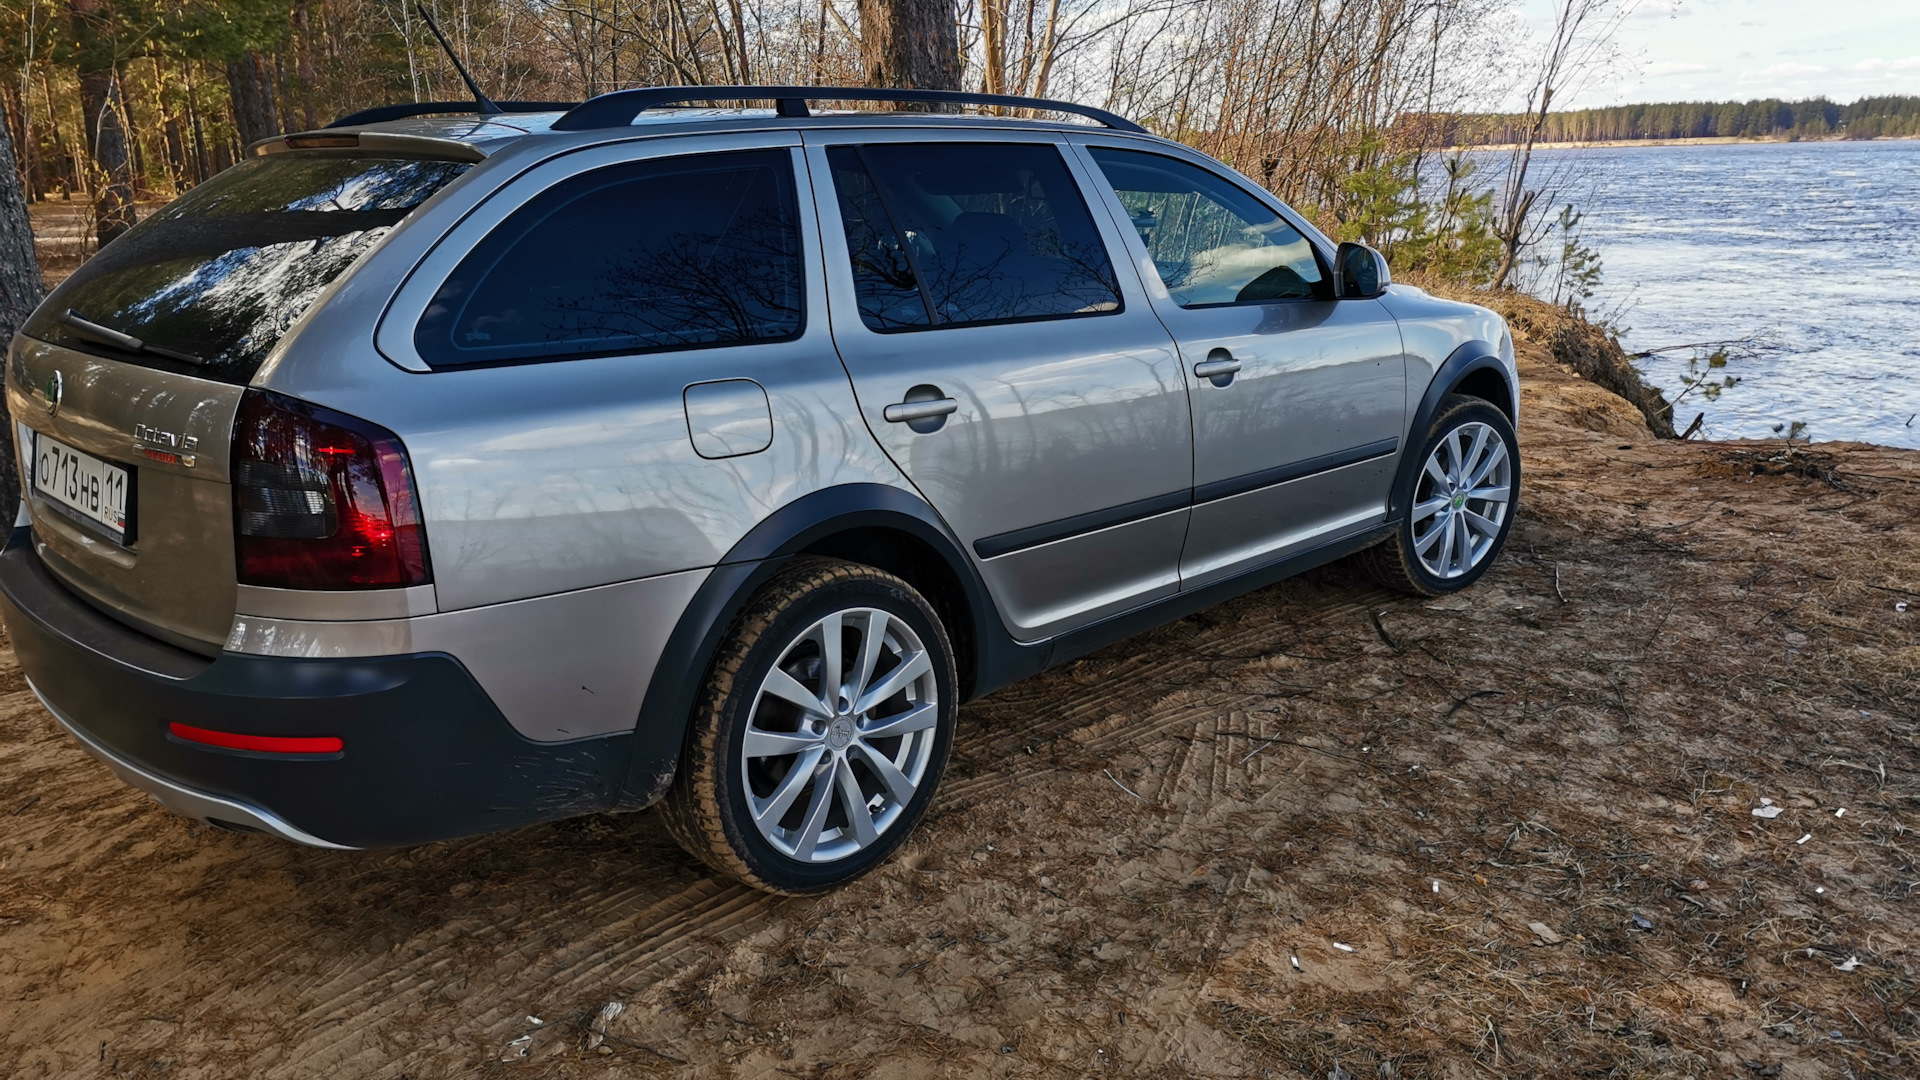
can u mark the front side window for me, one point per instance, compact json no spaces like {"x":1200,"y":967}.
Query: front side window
{"x":1212,"y":242}
{"x":956,"y":234}
{"x":672,"y":253}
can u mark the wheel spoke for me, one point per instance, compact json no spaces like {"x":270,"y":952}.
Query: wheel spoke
{"x":1495,"y":494}
{"x":790,"y":788}
{"x":830,"y":643}
{"x":760,"y":744}
{"x":854,"y":802}
{"x":898,"y":786}
{"x":1494,"y":458}
{"x":1453,"y":445}
{"x":1435,"y":470}
{"x":791,"y":690}
{"x":1424,"y":544}
{"x":1463,"y":545}
{"x":911,"y":667}
{"x":1446,"y":546}
{"x":816,"y":816}
{"x":1471,"y":460}
{"x":1485,"y":526}
{"x":919,"y":718}
{"x":872,"y":640}
{"x":1425,"y":510}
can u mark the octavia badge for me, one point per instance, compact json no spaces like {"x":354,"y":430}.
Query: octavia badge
{"x":56,"y":386}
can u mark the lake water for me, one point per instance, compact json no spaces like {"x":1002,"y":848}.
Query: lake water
{"x":1816,"y":243}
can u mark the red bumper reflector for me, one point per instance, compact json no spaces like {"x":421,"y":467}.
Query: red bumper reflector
{"x":266,"y":744}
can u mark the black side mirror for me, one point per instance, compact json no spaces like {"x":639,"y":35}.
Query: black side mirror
{"x":1361,"y":270}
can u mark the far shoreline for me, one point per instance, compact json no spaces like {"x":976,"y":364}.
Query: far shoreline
{"x":1710,"y":140}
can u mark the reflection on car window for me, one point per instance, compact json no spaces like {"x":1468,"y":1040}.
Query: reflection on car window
{"x":672,"y":253}
{"x":1212,"y":242}
{"x":223,"y":271}
{"x":964,"y":233}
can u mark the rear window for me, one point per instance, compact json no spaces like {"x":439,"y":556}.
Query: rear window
{"x":217,"y":277}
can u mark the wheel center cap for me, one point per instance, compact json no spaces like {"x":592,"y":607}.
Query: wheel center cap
{"x":840,"y":733}
{"x":1459,"y":501}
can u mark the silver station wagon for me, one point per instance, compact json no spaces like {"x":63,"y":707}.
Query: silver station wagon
{"x":450,"y":470}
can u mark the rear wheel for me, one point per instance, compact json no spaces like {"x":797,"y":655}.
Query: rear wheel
{"x":820,"y":734}
{"x":1461,"y":505}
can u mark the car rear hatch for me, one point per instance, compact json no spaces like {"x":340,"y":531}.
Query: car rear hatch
{"x":125,"y":384}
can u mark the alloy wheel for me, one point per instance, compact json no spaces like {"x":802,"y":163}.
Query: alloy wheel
{"x":1462,"y":500}
{"x":840,"y":736}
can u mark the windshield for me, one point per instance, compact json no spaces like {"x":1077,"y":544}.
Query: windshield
{"x":212,"y":282}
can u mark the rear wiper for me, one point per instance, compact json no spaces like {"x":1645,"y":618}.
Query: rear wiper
{"x":107,"y":335}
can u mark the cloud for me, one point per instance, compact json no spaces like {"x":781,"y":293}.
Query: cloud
{"x":1658,"y":9}
{"x":1787,"y":71}
{"x":1906,"y":63}
{"x":1675,"y":67}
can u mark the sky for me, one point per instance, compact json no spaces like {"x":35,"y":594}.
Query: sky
{"x":1736,"y":50}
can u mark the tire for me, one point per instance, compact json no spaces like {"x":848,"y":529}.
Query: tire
{"x":750,"y":738}
{"x":1421,"y":558}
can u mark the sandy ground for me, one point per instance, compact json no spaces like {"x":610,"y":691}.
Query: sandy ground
{"x":1320,"y":831}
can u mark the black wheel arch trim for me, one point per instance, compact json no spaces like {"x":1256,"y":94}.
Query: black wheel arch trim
{"x":1470,"y":357}
{"x":792,"y":529}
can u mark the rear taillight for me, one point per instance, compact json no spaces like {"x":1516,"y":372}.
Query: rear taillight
{"x":322,"y":500}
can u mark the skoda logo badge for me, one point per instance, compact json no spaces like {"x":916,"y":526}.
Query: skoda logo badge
{"x":56,"y":386}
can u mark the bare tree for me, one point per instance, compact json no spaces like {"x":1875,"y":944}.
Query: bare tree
{"x":1581,"y":43}
{"x":100,"y":105}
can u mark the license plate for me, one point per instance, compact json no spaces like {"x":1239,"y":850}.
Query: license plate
{"x":82,"y":483}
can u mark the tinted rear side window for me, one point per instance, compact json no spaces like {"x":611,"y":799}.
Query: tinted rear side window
{"x":222,"y":272}
{"x":663,"y":254}
{"x":962,"y":233}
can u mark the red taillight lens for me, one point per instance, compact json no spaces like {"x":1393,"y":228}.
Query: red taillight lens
{"x":322,"y":500}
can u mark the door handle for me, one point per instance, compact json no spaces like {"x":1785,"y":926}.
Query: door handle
{"x":908,"y":411}
{"x":1219,"y":367}
{"x":925,"y":409}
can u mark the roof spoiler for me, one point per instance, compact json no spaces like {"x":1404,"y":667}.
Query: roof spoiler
{"x":620,"y":108}
{"x":383,"y":113}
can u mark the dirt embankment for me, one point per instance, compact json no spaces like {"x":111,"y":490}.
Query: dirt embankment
{"x":1318,"y":831}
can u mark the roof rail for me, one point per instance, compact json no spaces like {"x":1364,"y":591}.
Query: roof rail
{"x":381,"y":113}
{"x":619,"y":108}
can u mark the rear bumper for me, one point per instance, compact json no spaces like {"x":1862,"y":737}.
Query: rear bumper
{"x":427,"y":755}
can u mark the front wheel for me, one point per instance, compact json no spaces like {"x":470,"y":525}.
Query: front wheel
{"x":1461,"y":505}
{"x":821,"y":733}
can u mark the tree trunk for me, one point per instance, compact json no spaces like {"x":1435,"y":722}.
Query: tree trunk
{"x":914,"y":44}
{"x":303,"y":73}
{"x":106,"y":133}
{"x":20,"y":288}
{"x":251,"y":84}
{"x":993,"y":42}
